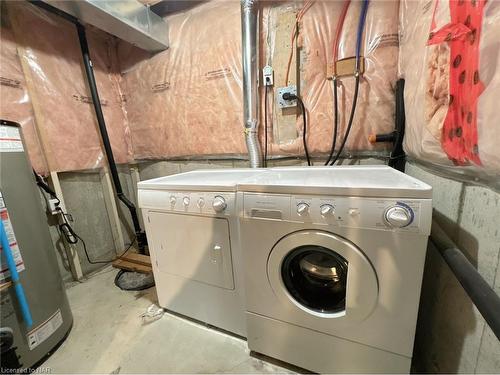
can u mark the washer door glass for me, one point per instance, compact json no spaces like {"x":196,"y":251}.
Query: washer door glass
{"x":316,"y":277}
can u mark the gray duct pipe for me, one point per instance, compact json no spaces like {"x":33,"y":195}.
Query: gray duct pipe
{"x":249,"y":36}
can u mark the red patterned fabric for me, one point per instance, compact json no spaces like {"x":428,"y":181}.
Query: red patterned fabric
{"x":459,"y":137}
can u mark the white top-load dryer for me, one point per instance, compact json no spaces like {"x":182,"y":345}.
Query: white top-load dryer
{"x":191,"y":225}
{"x":333,"y":261}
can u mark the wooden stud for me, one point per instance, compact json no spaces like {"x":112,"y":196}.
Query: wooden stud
{"x":285,"y":119}
{"x":71,"y":252}
{"x":112,"y":210}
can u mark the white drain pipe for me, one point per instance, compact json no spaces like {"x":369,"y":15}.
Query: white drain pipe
{"x":249,"y":35}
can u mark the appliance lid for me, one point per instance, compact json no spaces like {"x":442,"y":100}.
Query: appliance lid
{"x":201,"y":180}
{"x":368,"y":181}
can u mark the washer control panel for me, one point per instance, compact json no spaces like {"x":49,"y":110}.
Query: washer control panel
{"x":352,"y":212}
{"x":206,"y":203}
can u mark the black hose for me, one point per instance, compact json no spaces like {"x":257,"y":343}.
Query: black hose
{"x":335,"y":120}
{"x":479,"y":291}
{"x":351,"y":119}
{"x":398,"y":156}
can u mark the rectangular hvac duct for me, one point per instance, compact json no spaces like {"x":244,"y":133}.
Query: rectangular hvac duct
{"x":129,"y":20}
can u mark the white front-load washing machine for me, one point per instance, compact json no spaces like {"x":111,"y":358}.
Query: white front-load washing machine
{"x":333,"y":261}
{"x":192,"y":229}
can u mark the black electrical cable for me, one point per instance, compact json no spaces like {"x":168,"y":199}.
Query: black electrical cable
{"x":335,"y":120}
{"x":265,"y":126}
{"x":72,"y":237}
{"x":288,"y":96}
{"x":66,"y":229}
{"x":45,"y":187}
{"x":304,"y":132}
{"x":351,"y":118}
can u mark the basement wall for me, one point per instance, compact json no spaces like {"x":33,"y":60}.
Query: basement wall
{"x":451,"y":335}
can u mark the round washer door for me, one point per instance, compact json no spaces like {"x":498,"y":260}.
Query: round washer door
{"x":323,"y":275}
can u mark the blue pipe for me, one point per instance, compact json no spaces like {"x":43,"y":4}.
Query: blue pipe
{"x":361,"y":27}
{"x":14,"y":276}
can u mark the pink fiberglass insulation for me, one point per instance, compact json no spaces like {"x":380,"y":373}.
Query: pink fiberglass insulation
{"x":57,"y":85}
{"x":375,"y":106}
{"x":188,"y":101}
{"x":430,"y":63}
{"x":15,"y":104}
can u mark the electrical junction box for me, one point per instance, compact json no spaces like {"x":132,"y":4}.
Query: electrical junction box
{"x":53,"y":206}
{"x":268,"y":75}
{"x":282,"y":103}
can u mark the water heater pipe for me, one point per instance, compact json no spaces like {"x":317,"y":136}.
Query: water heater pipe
{"x":89,"y":70}
{"x":249,"y":34}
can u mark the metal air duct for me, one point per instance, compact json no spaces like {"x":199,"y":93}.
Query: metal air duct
{"x":249,"y":34}
{"x":129,"y":20}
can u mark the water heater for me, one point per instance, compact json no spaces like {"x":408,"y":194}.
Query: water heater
{"x":25,"y":222}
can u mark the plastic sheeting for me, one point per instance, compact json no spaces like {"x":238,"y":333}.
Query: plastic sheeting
{"x":375,"y":105}
{"x":187,"y":100}
{"x":450,"y":59}
{"x":15,"y":104}
{"x":51,"y":58}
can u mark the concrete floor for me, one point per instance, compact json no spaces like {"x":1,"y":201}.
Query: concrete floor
{"x":109,"y":336}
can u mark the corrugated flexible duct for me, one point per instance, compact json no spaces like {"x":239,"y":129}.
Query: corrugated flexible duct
{"x":249,"y":35}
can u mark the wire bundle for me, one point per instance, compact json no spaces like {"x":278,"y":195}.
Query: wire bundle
{"x":359,"y":39}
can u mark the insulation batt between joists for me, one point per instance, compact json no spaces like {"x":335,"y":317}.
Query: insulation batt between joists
{"x":187,"y":100}
{"x":15,"y":103}
{"x":50,"y":56}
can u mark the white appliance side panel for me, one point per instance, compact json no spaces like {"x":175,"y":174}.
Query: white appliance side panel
{"x":193,"y":247}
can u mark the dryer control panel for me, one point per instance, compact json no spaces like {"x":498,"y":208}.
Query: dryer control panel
{"x":412,"y":215}
{"x":199,"y":202}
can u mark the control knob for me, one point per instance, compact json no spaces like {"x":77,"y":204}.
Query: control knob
{"x":302,"y":208}
{"x":219,"y":204}
{"x":201,"y":202}
{"x":186,"y":201}
{"x":398,"y":216}
{"x":326,"y":210}
{"x":173,"y":199}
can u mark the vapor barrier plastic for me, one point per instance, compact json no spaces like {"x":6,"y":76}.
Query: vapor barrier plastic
{"x":52,"y":64}
{"x":15,"y":104}
{"x":450,"y":59}
{"x":187,"y":100}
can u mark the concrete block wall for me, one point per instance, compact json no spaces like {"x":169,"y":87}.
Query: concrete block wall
{"x":451,"y":335}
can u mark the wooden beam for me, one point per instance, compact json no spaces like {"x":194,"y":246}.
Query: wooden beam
{"x":285,"y":119}
{"x":112,"y":210}
{"x":71,"y":252}
{"x":131,"y":266}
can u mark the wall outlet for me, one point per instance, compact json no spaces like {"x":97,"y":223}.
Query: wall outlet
{"x":282,"y":103}
{"x":268,"y":75}
{"x":53,"y":206}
